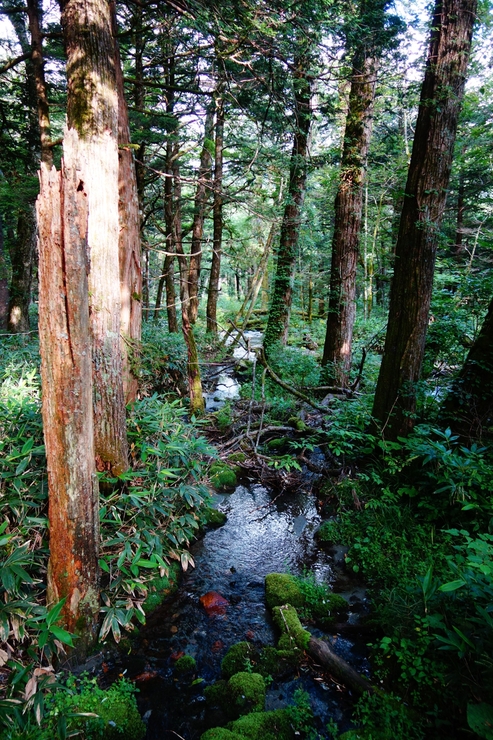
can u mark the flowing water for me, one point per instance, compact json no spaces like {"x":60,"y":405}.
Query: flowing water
{"x":265,"y":532}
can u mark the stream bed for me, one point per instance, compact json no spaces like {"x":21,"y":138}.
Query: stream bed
{"x":263,"y":534}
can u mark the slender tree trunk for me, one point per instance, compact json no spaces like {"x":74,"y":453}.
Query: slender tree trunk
{"x":422,"y":212}
{"x":4,"y":283}
{"x":66,"y":374}
{"x":459,"y":247}
{"x":348,"y":217}
{"x":129,"y":236}
{"x":280,"y":307}
{"x":22,"y":255}
{"x":92,"y":110}
{"x":217,"y":217}
{"x":39,"y":78}
{"x":468,"y":407}
{"x":204,"y":188}
{"x":197,"y":404}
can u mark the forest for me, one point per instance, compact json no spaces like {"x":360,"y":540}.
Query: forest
{"x":246,"y":369}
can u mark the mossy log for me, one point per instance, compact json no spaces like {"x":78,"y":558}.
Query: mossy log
{"x":323,"y":654}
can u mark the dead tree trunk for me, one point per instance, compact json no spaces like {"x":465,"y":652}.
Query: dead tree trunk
{"x":66,"y":374}
{"x":424,"y":204}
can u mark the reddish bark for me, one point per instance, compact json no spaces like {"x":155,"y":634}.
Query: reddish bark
{"x":66,"y":374}
{"x":423,"y":208}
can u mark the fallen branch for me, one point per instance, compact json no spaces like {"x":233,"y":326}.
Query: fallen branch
{"x":289,"y":388}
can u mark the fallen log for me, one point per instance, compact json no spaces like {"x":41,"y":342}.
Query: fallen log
{"x":337,"y":666}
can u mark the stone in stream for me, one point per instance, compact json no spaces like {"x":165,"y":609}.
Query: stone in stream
{"x":214,"y":603}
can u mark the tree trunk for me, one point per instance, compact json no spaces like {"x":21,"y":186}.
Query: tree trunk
{"x":348,"y":212}
{"x":4,"y":284}
{"x":66,"y":374}
{"x":92,"y":110}
{"x":217,"y":217}
{"x":468,"y":407}
{"x":422,"y":212}
{"x":22,"y":254}
{"x":459,"y":247}
{"x":204,"y":187}
{"x":197,"y":404}
{"x":129,"y":236}
{"x":39,"y":78}
{"x":280,"y":307}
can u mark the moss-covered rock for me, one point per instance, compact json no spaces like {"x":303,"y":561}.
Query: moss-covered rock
{"x":246,"y":692}
{"x":220,"y":733}
{"x":282,"y":588}
{"x":277,"y":663}
{"x":217,"y":694}
{"x":274,"y":725}
{"x":313,"y":601}
{"x":214,"y":518}
{"x":298,"y":424}
{"x":292,"y":633}
{"x":276,"y":444}
{"x":185,"y":664}
{"x":237,"y":658}
{"x":223,"y":477}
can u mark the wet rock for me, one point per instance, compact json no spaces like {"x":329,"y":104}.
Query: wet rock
{"x":214,"y":603}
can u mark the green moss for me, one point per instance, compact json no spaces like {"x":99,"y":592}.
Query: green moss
{"x":298,"y":424}
{"x":264,"y":726}
{"x":282,"y":588}
{"x":237,"y":658}
{"x":247,"y":692}
{"x":313,"y":600}
{"x":220,"y":733}
{"x":214,"y":518}
{"x":185,"y":664}
{"x":277,"y":663}
{"x":292,"y":633}
{"x":223,"y":477}
{"x":161,"y":587}
{"x":276,"y":444}
{"x":216,"y":694}
{"x":237,"y":457}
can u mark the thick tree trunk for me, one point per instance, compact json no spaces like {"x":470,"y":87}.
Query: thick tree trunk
{"x":422,"y":212}
{"x":202,"y":195}
{"x":280,"y":307}
{"x":468,"y":408}
{"x":348,"y":215}
{"x":217,"y":218}
{"x":129,"y":237}
{"x":22,"y":255}
{"x":92,"y":110}
{"x":66,"y":373}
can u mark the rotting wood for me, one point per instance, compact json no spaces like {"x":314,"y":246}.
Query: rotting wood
{"x":338,"y":667}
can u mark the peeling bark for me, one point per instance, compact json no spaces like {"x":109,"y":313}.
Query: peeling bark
{"x":66,"y":372}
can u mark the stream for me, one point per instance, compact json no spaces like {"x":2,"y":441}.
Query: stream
{"x":264,"y":533}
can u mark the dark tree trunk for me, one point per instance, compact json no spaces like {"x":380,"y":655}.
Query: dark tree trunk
{"x":280,"y":307}
{"x":348,"y":215}
{"x":39,"y":79}
{"x":22,"y":254}
{"x":217,"y":218}
{"x":422,"y":212}
{"x":459,"y":247}
{"x":204,"y":188}
{"x":4,"y":283}
{"x":468,"y":407}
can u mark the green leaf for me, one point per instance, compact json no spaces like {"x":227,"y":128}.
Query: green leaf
{"x":62,"y":635}
{"x":54,"y":614}
{"x":480,"y":719}
{"x":452,"y":585}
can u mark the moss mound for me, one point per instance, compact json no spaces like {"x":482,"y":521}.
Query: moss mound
{"x":274,"y":725}
{"x":161,"y":587}
{"x":223,"y":477}
{"x":282,"y":588}
{"x":247,"y":692}
{"x":185,"y":664}
{"x":237,"y":658}
{"x":214,"y":518}
{"x":292,"y":633}
{"x":313,"y":600}
{"x":220,"y":733}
